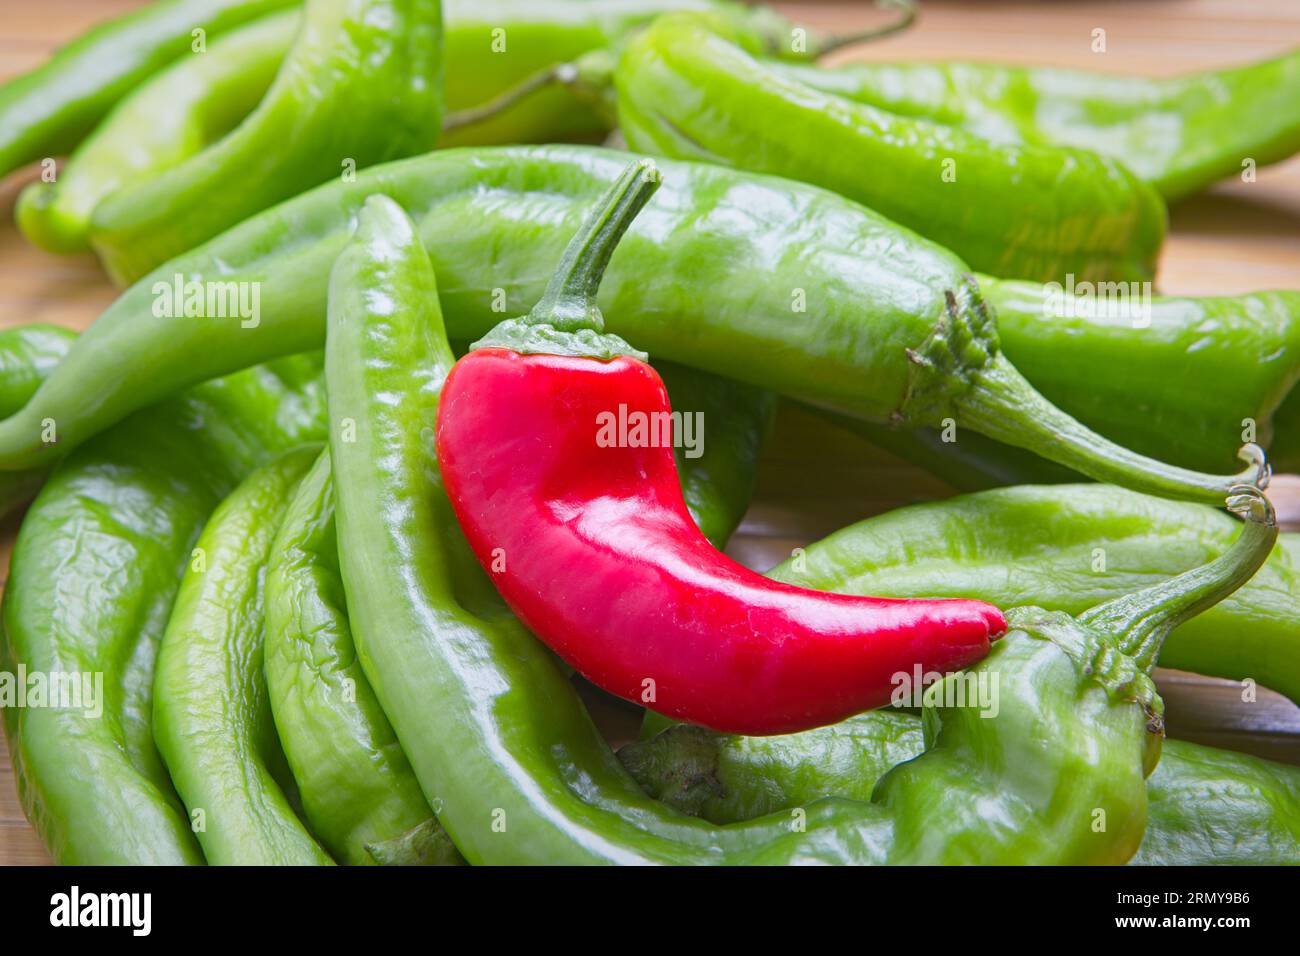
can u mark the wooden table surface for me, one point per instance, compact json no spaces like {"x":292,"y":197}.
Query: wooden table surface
{"x":815,"y":478}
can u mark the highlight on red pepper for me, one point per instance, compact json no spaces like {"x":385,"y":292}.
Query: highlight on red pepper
{"x":590,"y":543}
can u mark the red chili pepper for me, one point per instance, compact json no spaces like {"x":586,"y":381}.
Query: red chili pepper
{"x":591,"y":545}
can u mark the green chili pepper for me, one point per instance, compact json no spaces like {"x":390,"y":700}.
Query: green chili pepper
{"x":325,"y":713}
{"x":211,"y":715}
{"x":726,"y":778}
{"x":1067,"y":547}
{"x":1181,"y":134}
{"x":1204,"y":805}
{"x":361,"y":84}
{"x":117,"y":491}
{"x":791,"y":288}
{"x":1211,"y":806}
{"x":28,"y":353}
{"x":357,"y":789}
{"x":46,"y":112}
{"x":1030,"y":212}
{"x":91,"y":583}
{"x":1084,"y":800}
{"x":168,"y":119}
{"x":1247,"y":345}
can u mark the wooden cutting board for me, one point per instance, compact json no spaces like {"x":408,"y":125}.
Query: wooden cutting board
{"x":816,"y":478}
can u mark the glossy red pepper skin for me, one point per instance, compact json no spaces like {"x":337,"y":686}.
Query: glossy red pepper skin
{"x":592,"y":546}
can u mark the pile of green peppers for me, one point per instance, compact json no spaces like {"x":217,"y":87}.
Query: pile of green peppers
{"x":240,"y":528}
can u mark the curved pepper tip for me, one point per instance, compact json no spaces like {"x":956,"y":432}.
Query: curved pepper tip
{"x":996,"y":622}
{"x":1249,"y":502}
{"x":1260,"y":471}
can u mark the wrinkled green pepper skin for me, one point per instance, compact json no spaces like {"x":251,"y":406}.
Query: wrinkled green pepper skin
{"x":1180,"y":134}
{"x":115,"y":490}
{"x":937,"y":808}
{"x":95,"y":788}
{"x":169,"y":118}
{"x":1027,"y":212}
{"x":725,"y":778}
{"x":46,"y":112}
{"x":1204,"y":805}
{"x":28,"y":353}
{"x":361,"y":84}
{"x":887,"y":326}
{"x":211,"y":714}
{"x":1211,"y":806}
{"x":1106,"y":748}
{"x":357,"y":789}
{"x":1247,"y":345}
{"x":1065,"y":548}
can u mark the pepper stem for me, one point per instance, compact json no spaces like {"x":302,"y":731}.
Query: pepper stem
{"x":907,"y":10}
{"x":1002,"y":404}
{"x":569,"y":302}
{"x":1143,"y":620}
{"x":590,"y":77}
{"x":557,"y":75}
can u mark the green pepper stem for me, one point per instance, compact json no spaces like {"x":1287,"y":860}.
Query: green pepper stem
{"x":1002,"y":404}
{"x":569,"y":302}
{"x":473,"y":115}
{"x":1143,"y":620}
{"x":590,"y":78}
{"x":907,"y":10}
{"x":562,"y":74}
